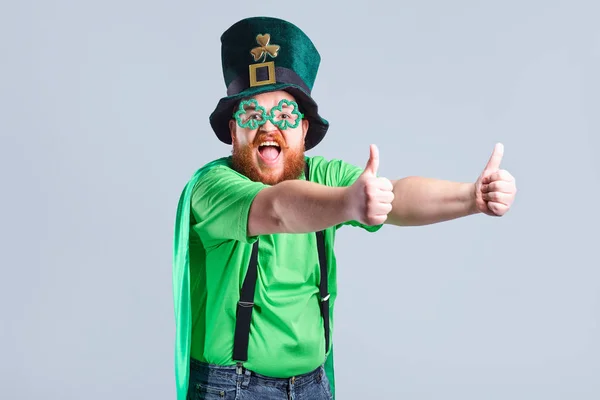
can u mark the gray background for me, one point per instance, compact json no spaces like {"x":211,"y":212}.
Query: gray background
{"x":104,"y":116}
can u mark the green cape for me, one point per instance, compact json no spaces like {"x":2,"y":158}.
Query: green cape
{"x":181,"y":294}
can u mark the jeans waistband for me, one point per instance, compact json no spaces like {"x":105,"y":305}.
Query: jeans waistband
{"x":205,"y":369}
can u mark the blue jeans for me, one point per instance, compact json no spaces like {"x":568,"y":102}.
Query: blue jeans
{"x":218,"y":382}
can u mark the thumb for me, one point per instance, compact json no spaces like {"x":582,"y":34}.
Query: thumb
{"x":373,"y":163}
{"x":494,"y":161}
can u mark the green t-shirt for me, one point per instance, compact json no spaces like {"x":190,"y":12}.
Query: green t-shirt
{"x":286,"y":333}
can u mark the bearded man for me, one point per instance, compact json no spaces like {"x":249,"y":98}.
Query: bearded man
{"x":254,"y":269}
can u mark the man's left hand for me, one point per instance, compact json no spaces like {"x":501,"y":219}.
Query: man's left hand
{"x":495,"y":189}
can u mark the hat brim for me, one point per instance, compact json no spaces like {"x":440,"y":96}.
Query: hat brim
{"x":223,"y":113}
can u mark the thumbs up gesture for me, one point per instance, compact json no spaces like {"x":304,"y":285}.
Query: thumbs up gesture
{"x":371,"y":196}
{"x":495,"y":189}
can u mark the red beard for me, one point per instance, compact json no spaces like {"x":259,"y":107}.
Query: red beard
{"x":244,"y":162}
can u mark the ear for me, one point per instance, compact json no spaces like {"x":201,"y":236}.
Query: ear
{"x":232,"y":129}
{"x":305,"y":125}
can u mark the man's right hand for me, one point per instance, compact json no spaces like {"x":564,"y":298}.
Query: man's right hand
{"x":370,"y":198}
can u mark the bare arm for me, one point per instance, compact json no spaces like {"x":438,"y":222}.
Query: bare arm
{"x":297,"y":206}
{"x":423,"y":201}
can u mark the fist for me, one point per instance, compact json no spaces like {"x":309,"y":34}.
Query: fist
{"x":371,"y":197}
{"x":495,"y":189}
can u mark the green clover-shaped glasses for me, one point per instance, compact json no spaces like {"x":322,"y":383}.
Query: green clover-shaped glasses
{"x":285,"y":115}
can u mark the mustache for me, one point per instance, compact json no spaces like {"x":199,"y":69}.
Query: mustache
{"x":258,"y":139}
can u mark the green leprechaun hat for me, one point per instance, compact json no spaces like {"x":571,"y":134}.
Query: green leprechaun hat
{"x":264,"y":54}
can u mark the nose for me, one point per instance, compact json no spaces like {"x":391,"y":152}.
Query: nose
{"x":267,"y":126}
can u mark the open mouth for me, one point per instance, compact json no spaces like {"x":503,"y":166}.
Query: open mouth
{"x":269,"y":151}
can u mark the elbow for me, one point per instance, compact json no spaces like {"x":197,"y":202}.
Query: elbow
{"x":264,"y":218}
{"x":275,"y":215}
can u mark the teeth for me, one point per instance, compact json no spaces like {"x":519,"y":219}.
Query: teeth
{"x":269,"y":144}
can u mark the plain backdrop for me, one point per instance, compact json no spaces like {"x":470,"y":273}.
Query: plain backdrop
{"x":104,"y":111}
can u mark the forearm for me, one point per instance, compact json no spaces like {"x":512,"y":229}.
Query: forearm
{"x":423,"y":201}
{"x":298,"y":206}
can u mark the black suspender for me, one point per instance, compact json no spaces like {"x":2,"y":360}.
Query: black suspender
{"x":246,"y":302}
{"x":323,"y":289}
{"x":244,"y":309}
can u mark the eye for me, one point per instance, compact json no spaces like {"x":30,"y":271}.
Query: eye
{"x":255,"y":116}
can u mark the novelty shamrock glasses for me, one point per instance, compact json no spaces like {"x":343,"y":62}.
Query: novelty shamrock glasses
{"x":285,"y":115}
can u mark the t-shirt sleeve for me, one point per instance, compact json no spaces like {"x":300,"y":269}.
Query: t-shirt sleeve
{"x":220,"y":203}
{"x":341,"y":173}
